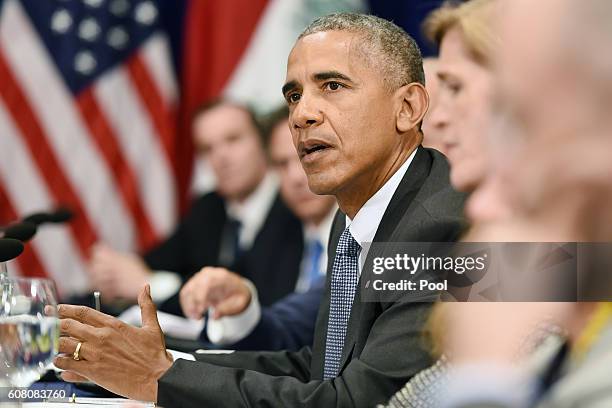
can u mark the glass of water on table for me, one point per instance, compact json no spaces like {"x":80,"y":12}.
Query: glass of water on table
{"x":29,"y":333}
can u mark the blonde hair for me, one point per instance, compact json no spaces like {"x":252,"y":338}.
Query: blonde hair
{"x":434,"y":331}
{"x":473,"y":19}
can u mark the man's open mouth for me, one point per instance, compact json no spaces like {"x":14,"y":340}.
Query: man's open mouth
{"x":311,"y":147}
{"x":315,"y":149}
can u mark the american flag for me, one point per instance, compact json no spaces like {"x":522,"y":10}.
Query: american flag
{"x":88,"y":100}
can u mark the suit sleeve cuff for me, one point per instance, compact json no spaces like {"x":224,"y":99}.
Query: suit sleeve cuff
{"x":231,"y":329}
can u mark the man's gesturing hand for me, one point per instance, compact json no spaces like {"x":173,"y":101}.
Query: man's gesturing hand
{"x":124,"y":359}
{"x":226,"y":291}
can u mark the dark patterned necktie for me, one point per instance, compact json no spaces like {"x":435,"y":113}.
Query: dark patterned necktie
{"x":345,"y":275}
{"x":230,"y":250}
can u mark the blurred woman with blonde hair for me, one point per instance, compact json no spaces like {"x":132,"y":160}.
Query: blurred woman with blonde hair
{"x":466,"y":39}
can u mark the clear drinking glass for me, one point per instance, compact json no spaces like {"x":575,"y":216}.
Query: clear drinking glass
{"x":29,"y":334}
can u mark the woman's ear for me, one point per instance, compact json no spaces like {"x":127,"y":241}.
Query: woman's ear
{"x":414,"y":102}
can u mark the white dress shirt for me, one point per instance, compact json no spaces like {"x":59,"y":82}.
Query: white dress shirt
{"x":251,"y":213}
{"x":363,"y":227}
{"x":365,"y":224}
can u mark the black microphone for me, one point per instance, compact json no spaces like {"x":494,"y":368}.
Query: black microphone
{"x":58,"y":216}
{"x":10,"y":249}
{"x":24,"y":231}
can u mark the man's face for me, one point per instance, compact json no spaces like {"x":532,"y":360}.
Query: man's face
{"x":541,"y":93}
{"x":226,"y":138}
{"x":309,"y":207}
{"x":548,"y":115}
{"x":463,"y":101}
{"x":532,"y":91}
{"x":341,"y":115}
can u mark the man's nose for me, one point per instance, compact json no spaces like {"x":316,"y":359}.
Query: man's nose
{"x":306,"y":113}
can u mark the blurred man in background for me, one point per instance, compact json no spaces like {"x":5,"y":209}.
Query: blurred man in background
{"x":238,"y":322}
{"x":243,"y":225}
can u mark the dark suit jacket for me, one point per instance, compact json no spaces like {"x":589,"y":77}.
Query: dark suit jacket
{"x":383,"y":346}
{"x":288,"y":324}
{"x":272,"y":263}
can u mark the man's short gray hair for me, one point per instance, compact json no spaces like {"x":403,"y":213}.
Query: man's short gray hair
{"x":398,"y":54}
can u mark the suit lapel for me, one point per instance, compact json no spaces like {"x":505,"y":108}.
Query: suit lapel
{"x":403,"y":198}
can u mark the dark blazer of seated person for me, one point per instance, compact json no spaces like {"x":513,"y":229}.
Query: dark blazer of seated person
{"x":288,"y":324}
{"x":196,"y":243}
{"x":383,"y":347}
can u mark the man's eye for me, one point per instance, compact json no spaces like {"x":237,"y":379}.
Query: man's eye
{"x":293,"y":98}
{"x":333,"y":86}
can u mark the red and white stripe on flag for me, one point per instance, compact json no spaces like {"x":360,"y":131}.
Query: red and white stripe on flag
{"x":108,"y":153}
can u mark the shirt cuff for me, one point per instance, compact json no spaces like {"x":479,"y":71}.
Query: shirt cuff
{"x":178,"y":354}
{"x":231,"y":329}
{"x":164,"y":284}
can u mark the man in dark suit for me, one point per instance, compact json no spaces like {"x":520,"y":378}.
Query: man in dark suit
{"x":242,"y":225}
{"x":237,"y":320}
{"x":356,"y":96}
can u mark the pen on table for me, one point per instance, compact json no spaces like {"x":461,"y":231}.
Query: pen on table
{"x":97,"y":299}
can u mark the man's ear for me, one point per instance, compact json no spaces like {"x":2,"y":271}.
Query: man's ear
{"x":413,"y":104}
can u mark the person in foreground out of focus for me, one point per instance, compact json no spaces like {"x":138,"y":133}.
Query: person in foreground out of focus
{"x":433,"y":129}
{"x":466,"y":40}
{"x":554,"y":84}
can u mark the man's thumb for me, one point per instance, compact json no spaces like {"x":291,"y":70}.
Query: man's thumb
{"x":148,"y":311}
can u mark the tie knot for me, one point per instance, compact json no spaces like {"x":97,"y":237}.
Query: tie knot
{"x":234,"y":223}
{"x":347,"y":244}
{"x":315,"y":246}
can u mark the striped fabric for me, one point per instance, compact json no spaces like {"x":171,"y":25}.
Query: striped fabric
{"x":87,"y":120}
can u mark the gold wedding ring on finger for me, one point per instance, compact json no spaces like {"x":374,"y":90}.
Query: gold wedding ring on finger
{"x":75,"y":355}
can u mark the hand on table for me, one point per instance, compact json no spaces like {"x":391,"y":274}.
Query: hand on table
{"x":226,"y":291}
{"x":117,"y":275}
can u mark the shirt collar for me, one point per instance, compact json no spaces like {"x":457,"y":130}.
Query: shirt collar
{"x":365,"y":224}
{"x":252,"y":211}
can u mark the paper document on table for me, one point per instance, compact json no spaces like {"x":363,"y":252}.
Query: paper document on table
{"x":172,"y":325}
